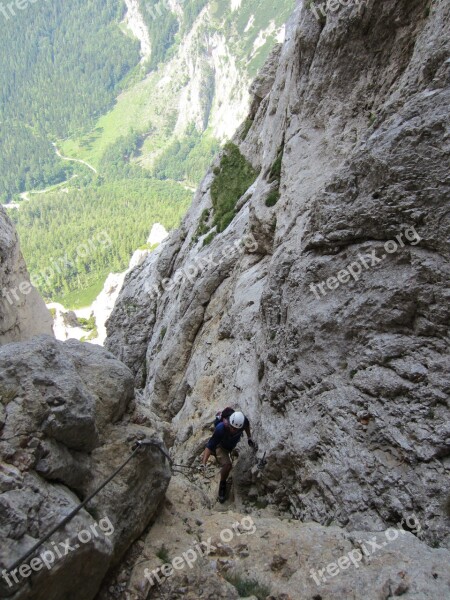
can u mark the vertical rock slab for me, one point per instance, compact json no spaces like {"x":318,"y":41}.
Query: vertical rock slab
{"x":23,"y":313}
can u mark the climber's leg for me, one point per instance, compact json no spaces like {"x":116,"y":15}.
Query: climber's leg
{"x":224,"y":460}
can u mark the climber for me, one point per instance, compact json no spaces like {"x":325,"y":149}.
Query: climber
{"x":226,"y":437}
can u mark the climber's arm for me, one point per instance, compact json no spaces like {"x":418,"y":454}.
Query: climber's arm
{"x":251,"y":443}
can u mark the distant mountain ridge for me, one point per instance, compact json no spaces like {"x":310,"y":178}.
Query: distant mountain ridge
{"x":91,"y":51}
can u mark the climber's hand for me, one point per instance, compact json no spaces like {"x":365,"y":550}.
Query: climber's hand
{"x":251,"y":443}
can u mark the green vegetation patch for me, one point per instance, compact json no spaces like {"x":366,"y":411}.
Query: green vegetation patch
{"x":273,"y":198}
{"x":80,"y":298}
{"x":233,"y":178}
{"x":88,"y":324}
{"x":91,"y":336}
{"x":247,"y":126}
{"x":247,"y":587}
{"x":163,"y":554}
{"x":203,"y":226}
{"x":275,"y":171}
{"x":209,"y":238}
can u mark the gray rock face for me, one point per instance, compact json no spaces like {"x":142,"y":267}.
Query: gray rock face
{"x":333,"y":335}
{"x":63,"y":431}
{"x":23,"y":313}
{"x":263,"y":83}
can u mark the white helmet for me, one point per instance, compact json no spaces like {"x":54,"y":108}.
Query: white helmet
{"x":237,"y":420}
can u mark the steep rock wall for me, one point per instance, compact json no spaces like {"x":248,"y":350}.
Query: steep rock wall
{"x":345,"y":379}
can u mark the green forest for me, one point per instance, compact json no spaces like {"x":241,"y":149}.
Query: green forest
{"x":73,"y":59}
{"x":187,"y":159}
{"x":62,"y":65}
{"x":56,"y":228}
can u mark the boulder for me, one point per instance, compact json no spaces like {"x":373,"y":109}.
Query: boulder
{"x":63,"y":431}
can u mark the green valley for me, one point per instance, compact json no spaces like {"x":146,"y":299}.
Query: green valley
{"x":73,"y":75}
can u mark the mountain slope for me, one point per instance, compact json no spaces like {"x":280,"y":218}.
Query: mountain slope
{"x":201,"y":78}
{"x":328,"y":323}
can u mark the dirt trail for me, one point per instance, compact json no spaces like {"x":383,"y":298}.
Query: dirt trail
{"x":78,"y":160}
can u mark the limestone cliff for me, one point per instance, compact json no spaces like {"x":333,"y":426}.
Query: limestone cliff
{"x":320,"y":305}
{"x":23,"y":313}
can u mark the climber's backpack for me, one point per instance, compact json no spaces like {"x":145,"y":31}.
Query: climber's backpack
{"x":222,"y":415}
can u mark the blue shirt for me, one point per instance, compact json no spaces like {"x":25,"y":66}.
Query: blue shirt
{"x":222,"y":437}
